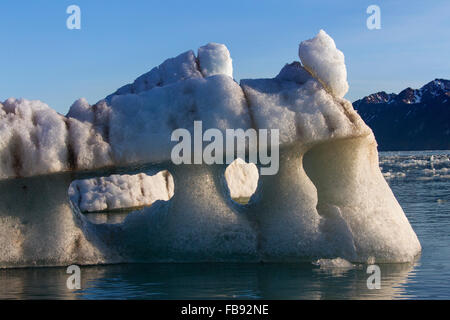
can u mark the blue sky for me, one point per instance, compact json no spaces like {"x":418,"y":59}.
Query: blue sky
{"x":119,"y":40}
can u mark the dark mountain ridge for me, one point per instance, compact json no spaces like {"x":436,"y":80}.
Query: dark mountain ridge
{"x":414,"y":119}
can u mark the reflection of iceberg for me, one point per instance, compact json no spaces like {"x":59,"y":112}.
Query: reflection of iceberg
{"x":352,"y":284}
{"x":328,"y":199}
{"x":201,"y":281}
{"x":35,"y":283}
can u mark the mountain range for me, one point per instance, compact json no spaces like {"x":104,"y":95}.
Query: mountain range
{"x":414,"y":119}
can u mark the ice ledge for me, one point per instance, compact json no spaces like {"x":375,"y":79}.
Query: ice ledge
{"x":329,"y":198}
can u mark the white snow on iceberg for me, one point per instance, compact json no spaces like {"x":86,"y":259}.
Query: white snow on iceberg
{"x":214,"y":58}
{"x":121,"y":191}
{"x":325,"y":62}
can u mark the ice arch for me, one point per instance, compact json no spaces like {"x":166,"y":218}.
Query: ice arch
{"x":328,"y":199}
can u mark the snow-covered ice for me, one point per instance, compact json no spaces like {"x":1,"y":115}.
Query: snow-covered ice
{"x":329,"y":198}
{"x":146,"y":119}
{"x":325,"y":62}
{"x":32,"y":139}
{"x":182,"y":67}
{"x":121,"y":191}
{"x":214,"y":58}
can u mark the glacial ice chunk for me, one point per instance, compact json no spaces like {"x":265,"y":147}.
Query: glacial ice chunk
{"x":214,"y":58}
{"x":329,"y":198}
{"x":149,"y":118}
{"x":32,"y":139}
{"x":121,"y":191}
{"x":320,"y":56}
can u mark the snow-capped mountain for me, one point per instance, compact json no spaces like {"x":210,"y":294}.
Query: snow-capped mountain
{"x":414,"y":119}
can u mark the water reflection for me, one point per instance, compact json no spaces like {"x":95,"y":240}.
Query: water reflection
{"x":35,"y":283}
{"x":207,"y":281}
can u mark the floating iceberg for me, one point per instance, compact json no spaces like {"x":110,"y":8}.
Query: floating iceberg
{"x":329,"y":198}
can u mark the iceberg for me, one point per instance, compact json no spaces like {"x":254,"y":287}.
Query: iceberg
{"x":329,"y":198}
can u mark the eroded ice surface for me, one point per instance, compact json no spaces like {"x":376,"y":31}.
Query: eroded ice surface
{"x":328,"y":200}
{"x":121,"y":191}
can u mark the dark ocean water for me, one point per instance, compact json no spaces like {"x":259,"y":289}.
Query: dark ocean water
{"x":421,"y":183}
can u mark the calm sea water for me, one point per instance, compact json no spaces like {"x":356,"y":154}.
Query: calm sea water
{"x":421,"y":183}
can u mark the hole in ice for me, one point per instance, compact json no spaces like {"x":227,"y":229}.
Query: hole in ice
{"x":331,"y":166}
{"x":110,"y":199}
{"x":242,"y":180}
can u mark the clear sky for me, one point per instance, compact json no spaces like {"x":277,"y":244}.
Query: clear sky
{"x":119,"y":40}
